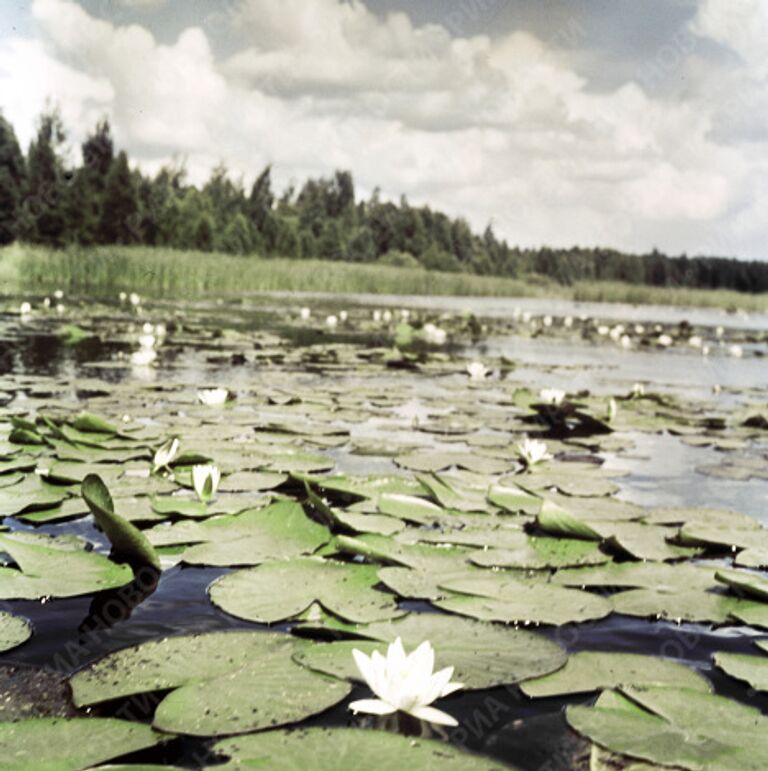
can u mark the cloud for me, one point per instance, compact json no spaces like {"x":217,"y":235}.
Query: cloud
{"x":501,"y":127}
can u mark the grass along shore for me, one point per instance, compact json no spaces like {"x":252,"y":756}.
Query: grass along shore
{"x":171,"y":274}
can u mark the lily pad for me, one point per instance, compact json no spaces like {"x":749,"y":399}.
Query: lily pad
{"x":14,"y":630}
{"x":48,"y":567}
{"x":542,"y":553}
{"x":687,"y":605}
{"x":588,"y":671}
{"x":126,"y":538}
{"x":71,"y":743}
{"x":225,"y":682}
{"x":744,"y":584}
{"x":510,"y":601}
{"x":331,"y":749}
{"x":276,"y":591}
{"x":682,"y":728}
{"x":750,"y":669}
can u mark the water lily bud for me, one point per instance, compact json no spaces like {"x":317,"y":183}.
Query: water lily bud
{"x":205,"y":480}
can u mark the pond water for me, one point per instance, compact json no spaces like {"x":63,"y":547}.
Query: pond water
{"x":347,"y":394}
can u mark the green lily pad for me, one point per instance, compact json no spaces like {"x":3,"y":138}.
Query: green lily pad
{"x":48,"y":567}
{"x":125,"y":538}
{"x":590,"y":671}
{"x":31,"y":494}
{"x":681,"y":727}
{"x":508,"y":600}
{"x":376,"y":548}
{"x":331,"y":749}
{"x":744,"y":583}
{"x":93,"y":424}
{"x":542,"y":553}
{"x":750,"y":669}
{"x":473,"y":646}
{"x":225,"y":682}
{"x":276,"y":591}
{"x":280,"y":530}
{"x":659,"y":576}
{"x":687,"y":605}
{"x":75,"y":743}
{"x":514,"y":499}
{"x":557,"y":521}
{"x":14,"y":630}
{"x":169,"y":505}
{"x":752,"y":614}
{"x":409,"y":508}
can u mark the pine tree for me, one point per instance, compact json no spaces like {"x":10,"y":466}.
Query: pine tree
{"x":43,"y":212}
{"x":120,"y":218}
{"x":12,"y":179}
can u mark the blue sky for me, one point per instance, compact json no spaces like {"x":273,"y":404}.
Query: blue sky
{"x":593,"y":122}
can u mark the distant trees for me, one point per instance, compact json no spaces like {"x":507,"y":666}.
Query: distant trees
{"x":104,"y":201}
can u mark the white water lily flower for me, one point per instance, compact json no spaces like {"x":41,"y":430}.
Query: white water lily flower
{"x":568,"y":322}
{"x":638,"y":390}
{"x":343,"y":316}
{"x":134,"y":299}
{"x":736,"y":351}
{"x":25,"y":309}
{"x":205,"y":480}
{"x":58,"y":294}
{"x":331,"y":322}
{"x":547,"y":321}
{"x":405,"y":314}
{"x":122,"y":297}
{"x":433,"y":334}
{"x":477,"y":370}
{"x":166,"y":453}
{"x":60,"y":308}
{"x":719,"y":332}
{"x":527,"y":316}
{"x":639,"y":329}
{"x":47,"y":302}
{"x":603,"y":330}
{"x":695,"y":341}
{"x":387,"y":317}
{"x":377,"y":316}
{"x":613,"y":408}
{"x":532,"y":451}
{"x":213,"y":397}
{"x":626,"y":341}
{"x":405,"y":683}
{"x":552,"y":396}
{"x":147,"y":341}
{"x":143,"y":357}
{"x":305,"y":314}
{"x":664,"y":340}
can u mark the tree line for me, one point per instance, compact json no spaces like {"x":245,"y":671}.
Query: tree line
{"x":45,"y":200}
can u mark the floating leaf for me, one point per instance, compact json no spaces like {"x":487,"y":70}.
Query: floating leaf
{"x":330,"y":749}
{"x":276,"y":591}
{"x":75,"y":743}
{"x":590,"y":671}
{"x":50,"y":567}
{"x":687,"y":605}
{"x":14,"y":630}
{"x":751,"y":669}
{"x":126,"y":539}
{"x":744,"y":583}
{"x":225,"y":682}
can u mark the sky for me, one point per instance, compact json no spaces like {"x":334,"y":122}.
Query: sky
{"x":634,"y":125}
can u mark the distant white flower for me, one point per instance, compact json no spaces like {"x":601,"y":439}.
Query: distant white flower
{"x":516,"y":313}
{"x":405,"y":314}
{"x":147,"y":341}
{"x":736,"y":351}
{"x":143,"y":357}
{"x":532,"y":451}
{"x":166,"y":453}
{"x":160,"y":331}
{"x":603,"y":330}
{"x":626,"y":341}
{"x":25,"y":309}
{"x":547,"y":321}
{"x":664,"y":341}
{"x":527,"y":317}
{"x":638,"y":390}
{"x":405,"y":683}
{"x":719,"y":332}
{"x":213,"y":397}
{"x":331,"y":322}
{"x":387,"y":317}
{"x":717,"y":389}
{"x":477,"y":370}
{"x":639,"y":329}
{"x":568,"y":322}
{"x":377,"y":316}
{"x":705,"y":350}
{"x":47,"y":302}
{"x":616,"y":332}
{"x":205,"y":480}
{"x":613,"y":408}
{"x":343,"y":316}
{"x":122,"y":297}
{"x":58,"y":294}
{"x":434,"y":335}
{"x":305,"y":314}
{"x":60,"y":308}
{"x":147,"y":328}
{"x":695,"y":341}
{"x":657,"y":328}
{"x":134,"y":299}
{"x":552,"y":395}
